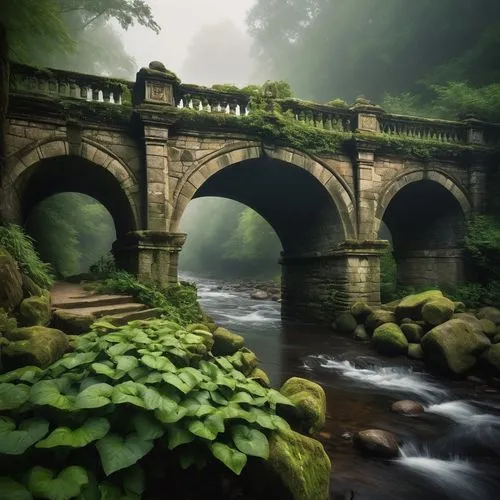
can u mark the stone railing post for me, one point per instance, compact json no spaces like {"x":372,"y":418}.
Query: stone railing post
{"x":475,"y":132}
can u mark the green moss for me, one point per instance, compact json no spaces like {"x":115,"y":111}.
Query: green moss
{"x":377,"y":318}
{"x":72,"y":323}
{"x":35,"y":310}
{"x":411,"y":306}
{"x":7,"y":324}
{"x":226,"y":342}
{"x":412,"y":332}
{"x":438,"y":311}
{"x":388,"y":339}
{"x":415,"y":351}
{"x":261,"y":376}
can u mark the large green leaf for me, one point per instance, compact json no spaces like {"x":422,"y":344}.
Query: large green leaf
{"x":68,"y":484}
{"x":274,"y":397}
{"x":126,"y":363}
{"x":161,"y":364}
{"x":23,"y":374}
{"x":120,"y":349}
{"x":107,"y":370}
{"x":250,"y":441}
{"x":47,"y":393}
{"x":147,"y":428}
{"x":104,"y":325}
{"x":12,"y":490}
{"x":177,"y":436}
{"x":242,"y":397}
{"x":118,"y":453}
{"x":92,"y":430}
{"x":73,"y":360}
{"x":170,"y":417}
{"x":16,"y":441}
{"x":175,"y":381}
{"x":134,"y":481}
{"x":13,"y":395}
{"x":95,"y":396}
{"x":231,"y":458}
{"x":128,"y":392}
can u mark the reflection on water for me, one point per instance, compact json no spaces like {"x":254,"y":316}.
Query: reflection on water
{"x":450,"y":452}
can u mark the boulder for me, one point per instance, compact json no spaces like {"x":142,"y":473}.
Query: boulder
{"x":226,"y":342}
{"x":259,"y":295}
{"x":415,"y":351}
{"x":453,"y":346}
{"x":388,"y":339}
{"x":346,"y":322}
{"x":496,"y":339}
{"x":377,"y":318}
{"x":489,"y":328}
{"x":471,"y":320}
{"x":34,"y":345}
{"x":407,"y":407}
{"x":412,"y":332}
{"x":438,"y":311}
{"x":491,"y":359}
{"x":390,"y":306}
{"x":30,"y":288}
{"x":261,"y":377}
{"x":7,"y":324}
{"x":377,"y":443}
{"x":411,"y":306}
{"x":35,"y":310}
{"x":361,"y":311}
{"x":310,"y":403}
{"x":301,"y":464}
{"x":360,"y":333}
{"x":11,"y":284}
{"x":460,"y":307}
{"x":491,"y":313}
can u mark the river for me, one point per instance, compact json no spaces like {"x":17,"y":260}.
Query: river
{"x":452,"y":451}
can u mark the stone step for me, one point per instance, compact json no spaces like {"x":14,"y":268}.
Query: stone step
{"x":86,"y":301}
{"x":124,"y":318}
{"x":99,"y":311}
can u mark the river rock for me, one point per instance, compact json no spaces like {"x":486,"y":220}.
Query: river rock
{"x":407,"y":407}
{"x":438,"y":311}
{"x":377,"y":318}
{"x":471,"y":320}
{"x":346,"y":322}
{"x":261,"y":377}
{"x":460,"y":307}
{"x":361,"y":311}
{"x":491,"y":359}
{"x":453,"y":346}
{"x":310,"y":403}
{"x":11,"y":284}
{"x":496,"y":339}
{"x":377,"y":443}
{"x":412,"y":332}
{"x":391,"y":306}
{"x":489,"y":328}
{"x":226,"y":342}
{"x":360,"y":333}
{"x":415,"y":351}
{"x":259,"y":295}
{"x":491,"y":313}
{"x":388,"y":339}
{"x":35,"y":310}
{"x":411,"y":306}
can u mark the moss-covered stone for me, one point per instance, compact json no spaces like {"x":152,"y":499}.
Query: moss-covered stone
{"x":388,"y":339}
{"x":226,"y":342}
{"x":34,"y":345}
{"x":310,"y":403}
{"x":72,"y":323}
{"x":7,"y":323}
{"x":197,"y":326}
{"x":491,"y":313}
{"x":491,"y":359}
{"x":208,"y":338}
{"x":261,"y":376}
{"x":361,"y":311}
{"x":301,"y":463}
{"x":249,"y":361}
{"x":453,"y":346}
{"x":30,"y":288}
{"x":391,"y":306}
{"x":438,"y":311}
{"x":346,"y":323}
{"x":415,"y":351}
{"x":489,"y":328}
{"x":377,"y":318}
{"x":496,"y":339}
{"x":412,"y":332}
{"x":411,"y":306}
{"x":471,"y":320}
{"x":361,"y":334}
{"x":35,"y":311}
{"x":460,"y":307}
{"x":11,"y":289}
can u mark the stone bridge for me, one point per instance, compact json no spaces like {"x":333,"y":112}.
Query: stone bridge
{"x":330,"y":179}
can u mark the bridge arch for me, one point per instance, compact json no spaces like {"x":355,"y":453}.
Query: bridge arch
{"x":53,"y":166}
{"x":425,"y":212}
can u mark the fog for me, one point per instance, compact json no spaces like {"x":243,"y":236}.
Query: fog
{"x":204,"y":42}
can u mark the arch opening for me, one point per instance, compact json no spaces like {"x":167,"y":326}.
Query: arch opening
{"x":425,"y":224}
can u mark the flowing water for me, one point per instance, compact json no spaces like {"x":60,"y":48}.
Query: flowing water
{"x":450,"y":452}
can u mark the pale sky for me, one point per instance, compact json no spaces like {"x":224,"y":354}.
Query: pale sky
{"x":180,"y":21}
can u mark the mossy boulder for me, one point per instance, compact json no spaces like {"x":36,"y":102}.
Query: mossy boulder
{"x":346,"y":322}
{"x":360,"y":333}
{"x":34,"y":345}
{"x":453,"y":346}
{"x":415,"y":351}
{"x":35,"y":310}
{"x":489,"y":328}
{"x":261,"y":377}
{"x":391,"y":306}
{"x":411,"y":306}
{"x":471,"y":320}
{"x":207,"y":336}
{"x":491,"y":359}
{"x":198,"y":326}
{"x":11,"y":284}
{"x":438,"y":311}
{"x":30,"y":288}
{"x":491,"y":313}
{"x":310,"y":403}
{"x":7,"y":323}
{"x":388,"y":339}
{"x":301,"y":463}
{"x":377,"y":318}
{"x":361,"y":311}
{"x":460,"y":307}
{"x":226,"y":342}
{"x":72,"y":323}
{"x":412,"y":332}
{"x":496,"y":339}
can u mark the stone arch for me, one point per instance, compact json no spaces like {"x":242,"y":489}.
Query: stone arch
{"x":89,"y":152}
{"x":407,"y":178}
{"x":338,"y":190}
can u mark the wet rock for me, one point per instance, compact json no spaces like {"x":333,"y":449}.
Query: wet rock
{"x":361,"y":311}
{"x":415,"y":351}
{"x":346,"y":322}
{"x":491,"y":359}
{"x":436,"y":312}
{"x":360,"y":333}
{"x":388,"y":339}
{"x":377,"y":318}
{"x":491,"y":313}
{"x":347,"y":436}
{"x":406,"y":320}
{"x":412,"y":332}
{"x":475,"y":380}
{"x":377,"y":443}
{"x":407,"y":407}
{"x":11,"y":285}
{"x":489,"y":328}
{"x":35,"y":310}
{"x":453,"y":346}
{"x":260,"y":376}
{"x":496,"y":339}
{"x":411,"y":306}
{"x":226,"y":342}
{"x":259,"y":295}
{"x":276,"y":297}
{"x":310,"y":403}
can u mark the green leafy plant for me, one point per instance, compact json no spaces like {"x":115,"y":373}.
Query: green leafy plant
{"x":90,"y":421}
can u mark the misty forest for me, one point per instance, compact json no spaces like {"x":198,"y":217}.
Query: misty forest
{"x":249,"y":249}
